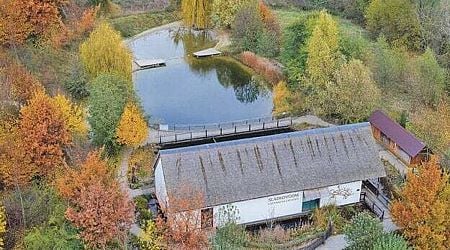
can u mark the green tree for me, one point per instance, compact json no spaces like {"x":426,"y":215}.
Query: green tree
{"x":56,"y":232}
{"x":105,"y":52}
{"x":247,"y":28}
{"x":363,"y":231}
{"x":229,"y":234}
{"x":390,"y":241}
{"x":354,"y":92}
{"x":430,"y":80}
{"x":294,"y":52}
{"x":196,"y":13}
{"x":150,"y":238}
{"x":109,"y":94}
{"x":395,"y":19}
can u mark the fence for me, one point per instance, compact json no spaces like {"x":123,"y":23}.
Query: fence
{"x":220,"y":131}
{"x":225,"y":125}
{"x":375,"y":187}
{"x":373,"y":207}
{"x":320,"y":240}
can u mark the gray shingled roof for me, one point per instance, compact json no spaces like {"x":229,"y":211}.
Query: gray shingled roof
{"x":252,"y":168}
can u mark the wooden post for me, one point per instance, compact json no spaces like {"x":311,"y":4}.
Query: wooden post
{"x":206,"y":133}
{"x":175,"y":137}
{"x":249,"y":127}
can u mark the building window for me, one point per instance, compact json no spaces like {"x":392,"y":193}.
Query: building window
{"x":207,"y":217}
{"x":310,"y":205}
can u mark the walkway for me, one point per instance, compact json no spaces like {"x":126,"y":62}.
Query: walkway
{"x":124,"y":185}
{"x":177,"y":133}
{"x":335,"y":242}
{"x":394,"y":161}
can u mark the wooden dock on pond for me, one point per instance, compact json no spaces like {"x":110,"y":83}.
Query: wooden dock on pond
{"x":150,"y":63}
{"x":207,"y":52}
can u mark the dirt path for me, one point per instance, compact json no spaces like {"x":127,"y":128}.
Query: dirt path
{"x":124,"y":185}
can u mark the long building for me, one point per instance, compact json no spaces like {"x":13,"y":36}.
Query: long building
{"x":270,"y":177}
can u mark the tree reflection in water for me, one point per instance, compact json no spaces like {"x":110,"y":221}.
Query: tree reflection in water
{"x":230,"y":73}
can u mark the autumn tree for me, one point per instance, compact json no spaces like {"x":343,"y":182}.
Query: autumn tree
{"x":182,"y":229}
{"x":43,"y":134}
{"x":422,"y":210}
{"x":132,"y":129}
{"x":224,"y":11}
{"x":20,"y":19}
{"x":424,"y":123}
{"x":281,"y":96}
{"x":108,"y":96}
{"x":354,"y":92}
{"x":322,"y":49}
{"x":74,"y":115}
{"x":397,"y":20}
{"x":2,"y":225}
{"x":196,"y":13}
{"x":150,"y":238}
{"x":14,"y":25}
{"x":92,"y":192}
{"x":21,"y":83}
{"x":105,"y":52}
{"x":102,"y":213}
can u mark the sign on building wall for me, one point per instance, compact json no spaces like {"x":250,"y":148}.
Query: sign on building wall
{"x":267,"y":208}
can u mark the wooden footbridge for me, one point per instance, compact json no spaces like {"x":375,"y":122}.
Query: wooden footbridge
{"x":190,"y":134}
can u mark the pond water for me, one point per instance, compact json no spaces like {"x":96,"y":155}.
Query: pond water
{"x":195,"y":91}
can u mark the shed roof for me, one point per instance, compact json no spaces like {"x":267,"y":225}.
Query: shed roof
{"x":402,"y":137}
{"x":252,"y":168}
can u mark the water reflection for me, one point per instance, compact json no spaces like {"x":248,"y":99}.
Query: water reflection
{"x":192,"y":90}
{"x":246,"y":87}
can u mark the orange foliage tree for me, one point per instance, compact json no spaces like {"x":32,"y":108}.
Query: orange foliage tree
{"x":21,"y":18}
{"x":97,"y":207}
{"x":423,"y":210}
{"x":182,"y":229}
{"x":132,"y":129}
{"x":43,"y":134}
{"x":21,"y":82}
{"x":12,"y":169}
{"x":268,"y":18}
{"x":14,"y":25}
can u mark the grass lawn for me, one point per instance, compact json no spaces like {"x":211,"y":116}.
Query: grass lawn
{"x":287,"y":17}
{"x":132,"y":25}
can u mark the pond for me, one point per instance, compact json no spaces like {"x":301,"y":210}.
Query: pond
{"x":195,"y":91}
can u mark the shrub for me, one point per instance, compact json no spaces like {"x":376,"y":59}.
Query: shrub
{"x":76,"y":83}
{"x":275,"y":234}
{"x":362,"y":231}
{"x":262,"y":66}
{"x":395,"y":19}
{"x":247,"y":27}
{"x":390,"y":241}
{"x":230,"y":236}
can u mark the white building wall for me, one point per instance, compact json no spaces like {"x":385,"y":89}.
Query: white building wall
{"x":160,"y":186}
{"x":342,"y":194}
{"x":265,"y":208}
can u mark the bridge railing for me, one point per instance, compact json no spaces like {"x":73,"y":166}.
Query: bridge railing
{"x":220,"y":131}
{"x":211,"y":126}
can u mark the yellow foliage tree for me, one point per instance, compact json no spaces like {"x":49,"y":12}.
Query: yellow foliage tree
{"x":323,"y":49}
{"x":2,"y":225}
{"x":74,"y":116}
{"x":105,"y":52}
{"x":150,"y":239}
{"x":132,"y":129}
{"x":281,"y":96}
{"x":196,"y":13}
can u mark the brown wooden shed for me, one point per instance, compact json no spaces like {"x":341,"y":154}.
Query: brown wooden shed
{"x":397,"y":139}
